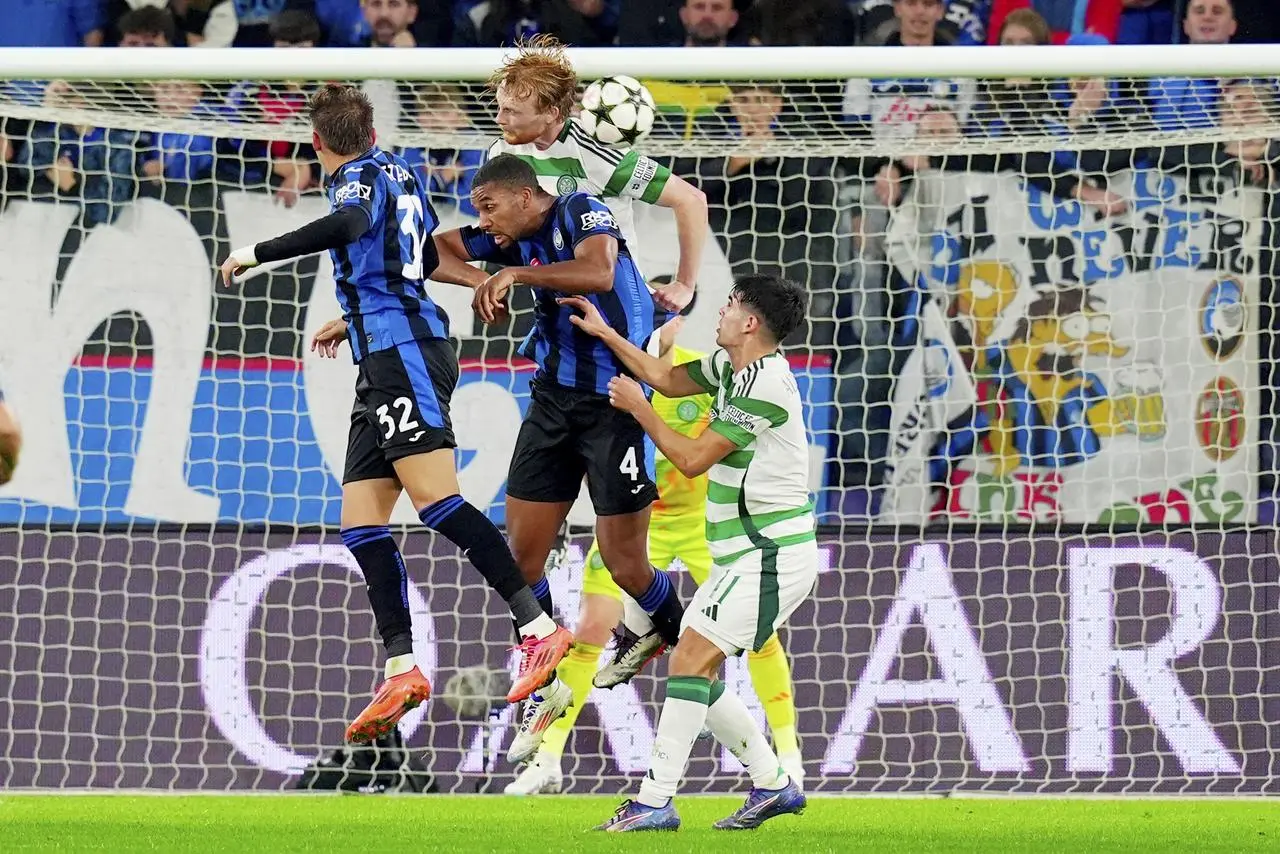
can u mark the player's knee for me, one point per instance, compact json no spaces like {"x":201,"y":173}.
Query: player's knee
{"x":695,"y":656}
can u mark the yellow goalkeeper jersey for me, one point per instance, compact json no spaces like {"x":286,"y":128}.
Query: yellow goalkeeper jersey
{"x":681,"y":499}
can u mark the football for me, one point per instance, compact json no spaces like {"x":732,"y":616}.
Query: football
{"x":617,"y":110}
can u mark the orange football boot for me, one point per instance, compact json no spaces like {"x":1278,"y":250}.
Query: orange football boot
{"x":395,"y":698}
{"x":538,"y":660}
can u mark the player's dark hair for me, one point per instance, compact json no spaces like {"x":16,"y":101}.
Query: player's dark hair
{"x":508,"y":171}
{"x":778,"y":302}
{"x":342,"y":116}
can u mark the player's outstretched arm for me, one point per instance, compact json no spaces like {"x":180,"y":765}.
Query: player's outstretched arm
{"x":689,"y":204}
{"x":339,"y":228}
{"x":454,"y":268}
{"x":670,"y":380}
{"x":590,"y":271}
{"x":690,"y":456}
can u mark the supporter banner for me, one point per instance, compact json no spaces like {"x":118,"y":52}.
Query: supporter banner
{"x":225,"y":660}
{"x":1114,"y":356}
{"x":171,"y":435}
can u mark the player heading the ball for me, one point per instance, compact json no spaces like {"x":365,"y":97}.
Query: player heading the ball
{"x":760,"y":528}
{"x":379,"y":237}
{"x":569,"y":245}
{"x":535,"y":90}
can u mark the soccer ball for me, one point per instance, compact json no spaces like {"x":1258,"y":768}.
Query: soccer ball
{"x":617,"y":110}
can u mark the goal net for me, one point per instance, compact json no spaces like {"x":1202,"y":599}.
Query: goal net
{"x":1036,"y":375}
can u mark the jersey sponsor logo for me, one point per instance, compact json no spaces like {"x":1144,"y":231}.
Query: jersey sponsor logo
{"x":645,"y":172}
{"x":598,"y":219}
{"x":352,"y":190}
{"x":736,"y":416}
{"x":557,"y":238}
{"x":396,"y":172}
{"x":566,"y":184}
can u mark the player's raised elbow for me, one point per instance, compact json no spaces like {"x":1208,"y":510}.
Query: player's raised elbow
{"x":679,"y":194}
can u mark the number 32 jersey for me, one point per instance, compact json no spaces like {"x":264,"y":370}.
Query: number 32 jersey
{"x":381,"y":276}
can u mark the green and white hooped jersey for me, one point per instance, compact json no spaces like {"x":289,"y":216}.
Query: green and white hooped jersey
{"x":576,"y":162}
{"x":758,"y":495}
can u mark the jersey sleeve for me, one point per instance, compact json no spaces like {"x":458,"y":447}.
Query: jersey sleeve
{"x":360,"y":187}
{"x":637,"y":177}
{"x":756,"y":404}
{"x":586,"y":216}
{"x":481,"y":246}
{"x":706,"y":371}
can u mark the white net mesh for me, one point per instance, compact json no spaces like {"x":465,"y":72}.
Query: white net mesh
{"x":1031,"y":302}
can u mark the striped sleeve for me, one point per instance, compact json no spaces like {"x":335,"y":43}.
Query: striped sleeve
{"x":706,"y":371}
{"x":619,"y":173}
{"x":757,"y":403}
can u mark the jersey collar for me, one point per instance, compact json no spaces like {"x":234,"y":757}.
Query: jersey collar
{"x":366,"y":155}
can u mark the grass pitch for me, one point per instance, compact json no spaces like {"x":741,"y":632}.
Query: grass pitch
{"x":318,"y":823}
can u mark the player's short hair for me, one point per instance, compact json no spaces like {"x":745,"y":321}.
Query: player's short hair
{"x":778,"y":302}
{"x":342,"y":116}
{"x":540,"y":70}
{"x":506,"y":170}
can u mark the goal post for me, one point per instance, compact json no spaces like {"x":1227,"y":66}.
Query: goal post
{"x":1035,"y":372}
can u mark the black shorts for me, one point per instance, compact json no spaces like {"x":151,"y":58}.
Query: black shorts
{"x":567,"y":434}
{"x":401,"y":408}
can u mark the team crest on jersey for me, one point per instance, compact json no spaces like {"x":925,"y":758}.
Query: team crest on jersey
{"x":687,"y":410}
{"x":566,"y":184}
{"x":558,"y":239}
{"x":352,"y":190}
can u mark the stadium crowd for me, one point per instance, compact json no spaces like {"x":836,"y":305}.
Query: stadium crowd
{"x":819,"y":218}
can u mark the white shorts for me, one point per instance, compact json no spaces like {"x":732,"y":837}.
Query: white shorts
{"x":740,"y":606}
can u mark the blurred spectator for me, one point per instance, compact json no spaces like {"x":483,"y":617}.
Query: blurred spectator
{"x":1209,"y":22}
{"x":253,"y":20}
{"x":1065,"y":17}
{"x":704,"y":23}
{"x":890,"y":107}
{"x":343,"y":23}
{"x":801,"y":23}
{"x":769,"y":210}
{"x":294,"y":28}
{"x":289,"y":167}
{"x":178,"y":156}
{"x":707,"y":23}
{"x":1178,"y":103}
{"x":87,"y":164}
{"x":1146,"y":22}
{"x":964,"y":22}
{"x":146,"y":26}
{"x":446,"y":172}
{"x":390,"y":22}
{"x":494,"y":23}
{"x":196,"y":23}
{"x":52,"y":23}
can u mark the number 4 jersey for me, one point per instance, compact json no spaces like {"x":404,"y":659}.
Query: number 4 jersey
{"x":381,"y":275}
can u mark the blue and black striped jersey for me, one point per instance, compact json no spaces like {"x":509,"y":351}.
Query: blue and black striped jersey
{"x":381,"y":276}
{"x":565,"y":354}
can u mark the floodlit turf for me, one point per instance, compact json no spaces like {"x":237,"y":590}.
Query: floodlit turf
{"x":320,"y":823}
